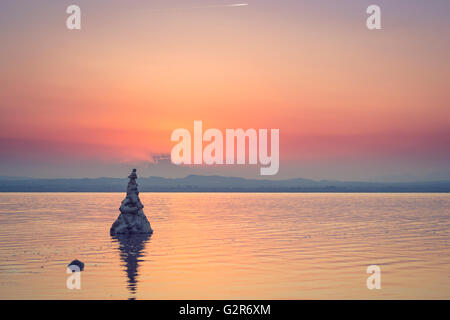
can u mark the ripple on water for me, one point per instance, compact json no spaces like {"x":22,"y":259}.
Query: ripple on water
{"x":227,"y":246}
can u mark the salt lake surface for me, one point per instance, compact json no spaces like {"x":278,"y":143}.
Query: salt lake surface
{"x":227,"y":246}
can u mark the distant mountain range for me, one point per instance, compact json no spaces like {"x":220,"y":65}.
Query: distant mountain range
{"x":197,"y":183}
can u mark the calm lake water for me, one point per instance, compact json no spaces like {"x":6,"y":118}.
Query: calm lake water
{"x":227,"y":246}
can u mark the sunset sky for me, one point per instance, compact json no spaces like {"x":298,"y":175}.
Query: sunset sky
{"x":350,"y":103}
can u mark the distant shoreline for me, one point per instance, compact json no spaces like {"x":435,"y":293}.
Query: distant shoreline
{"x":219,"y":184}
{"x":255,"y":192}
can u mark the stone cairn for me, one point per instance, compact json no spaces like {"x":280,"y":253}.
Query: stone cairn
{"x":132,"y":219}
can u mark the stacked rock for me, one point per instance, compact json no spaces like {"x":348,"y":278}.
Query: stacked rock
{"x":132,"y":218}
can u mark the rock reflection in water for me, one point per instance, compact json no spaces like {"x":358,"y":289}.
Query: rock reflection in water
{"x":131,"y":249}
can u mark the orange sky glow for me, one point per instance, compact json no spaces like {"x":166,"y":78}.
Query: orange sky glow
{"x":115,"y":90}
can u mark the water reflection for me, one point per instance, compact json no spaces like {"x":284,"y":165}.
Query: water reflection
{"x":131,"y":249}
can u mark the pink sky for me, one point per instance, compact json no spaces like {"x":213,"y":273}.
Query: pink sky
{"x":350,"y":103}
